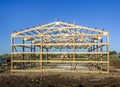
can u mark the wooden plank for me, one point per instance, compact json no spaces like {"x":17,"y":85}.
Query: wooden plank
{"x":83,"y":27}
{"x":12,"y":50}
{"x":60,"y":61}
{"x":41,"y":52}
{"x":74,"y":71}
{"x":29,"y":36}
{"x":108,"y":56}
{"x":57,"y":44}
{"x":60,"y":52}
{"x":73,"y":34}
{"x":31,"y":29}
{"x":70,"y":26}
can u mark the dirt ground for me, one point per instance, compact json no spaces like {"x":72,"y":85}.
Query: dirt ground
{"x":63,"y":79}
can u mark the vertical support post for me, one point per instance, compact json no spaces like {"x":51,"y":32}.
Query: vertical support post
{"x":97,"y":49}
{"x":41,"y":53}
{"x":101,"y":56}
{"x":74,"y":46}
{"x":74,"y":41}
{"x":31,"y":55}
{"x":23,"y":49}
{"x":94,"y":51}
{"x":46,"y":54}
{"x":12,"y":50}
{"x":60,"y":54}
{"x":88,"y":51}
{"x":108,"y":52}
{"x":34,"y":54}
{"x":91,"y":54}
{"x":94,"y":55}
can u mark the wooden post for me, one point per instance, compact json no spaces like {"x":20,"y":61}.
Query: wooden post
{"x":60,"y":54}
{"x":34,"y":55}
{"x":108,"y":53}
{"x":41,"y":53}
{"x":46,"y":54}
{"x":97,"y":54}
{"x":23,"y":50}
{"x":12,"y":55}
{"x":31,"y":55}
{"x":97,"y":50}
{"x":91,"y":54}
{"x":101,"y":56}
{"x":94,"y":55}
{"x":92,"y":50}
{"x":74,"y":41}
{"x":88,"y":51}
{"x":42,"y":34}
{"x":74,"y":47}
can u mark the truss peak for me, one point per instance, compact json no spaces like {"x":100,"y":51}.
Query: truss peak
{"x":58,"y":25}
{"x":60,"y":47}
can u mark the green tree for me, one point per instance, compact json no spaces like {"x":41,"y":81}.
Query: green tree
{"x":113,"y":52}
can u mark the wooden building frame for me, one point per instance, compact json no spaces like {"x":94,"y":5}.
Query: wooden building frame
{"x":60,"y":44}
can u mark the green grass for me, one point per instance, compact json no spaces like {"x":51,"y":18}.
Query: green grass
{"x":114,"y":59}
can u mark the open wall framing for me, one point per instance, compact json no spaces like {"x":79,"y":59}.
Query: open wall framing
{"x":60,"y":47}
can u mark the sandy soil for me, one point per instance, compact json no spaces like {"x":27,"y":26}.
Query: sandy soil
{"x":63,"y":79}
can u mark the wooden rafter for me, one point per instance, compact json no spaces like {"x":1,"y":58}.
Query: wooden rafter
{"x":62,"y":40}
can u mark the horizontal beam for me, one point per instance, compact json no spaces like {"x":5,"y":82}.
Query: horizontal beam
{"x":60,"y":52}
{"x":75,"y":71}
{"x":59,"y":61}
{"x":39,"y":35}
{"x":26,"y":46}
{"x":54,"y":44}
{"x":64,"y":58}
